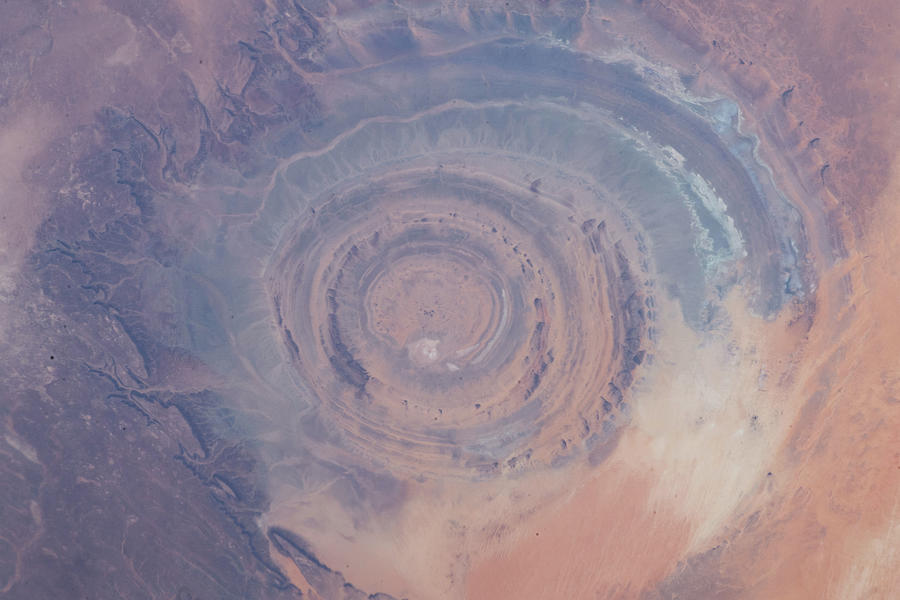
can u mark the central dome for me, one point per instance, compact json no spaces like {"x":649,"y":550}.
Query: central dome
{"x":435,"y":308}
{"x":436,"y":305}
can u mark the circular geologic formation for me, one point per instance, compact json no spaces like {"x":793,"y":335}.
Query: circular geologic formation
{"x":464,"y":260}
{"x":447,"y":321}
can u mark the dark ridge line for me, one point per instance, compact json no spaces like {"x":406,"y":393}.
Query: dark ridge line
{"x":294,"y":547}
{"x":347,"y":366}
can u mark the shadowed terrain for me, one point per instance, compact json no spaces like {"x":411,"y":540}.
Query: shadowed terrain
{"x":449,"y":300}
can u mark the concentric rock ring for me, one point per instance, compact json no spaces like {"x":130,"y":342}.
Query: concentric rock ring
{"x":465,"y":281}
{"x":452,"y":322}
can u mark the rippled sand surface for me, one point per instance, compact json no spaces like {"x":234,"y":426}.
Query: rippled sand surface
{"x":449,"y":300}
